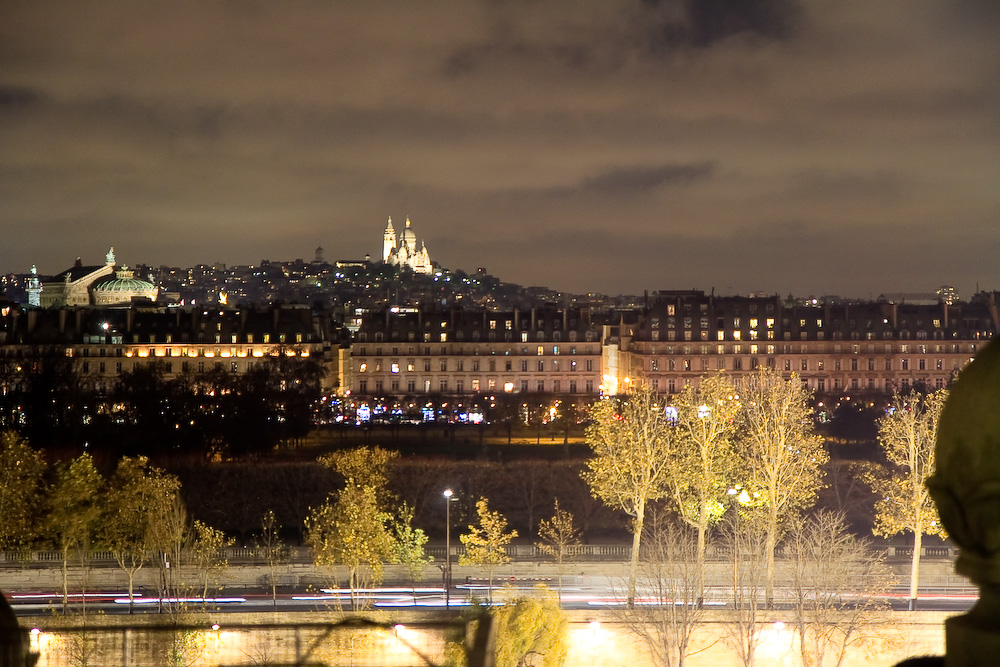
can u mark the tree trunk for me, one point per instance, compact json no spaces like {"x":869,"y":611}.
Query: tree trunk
{"x":640,"y":512}
{"x":769,"y":547}
{"x":918,"y":538}
{"x":700,"y":555}
{"x":65,"y":567}
{"x":131,"y":587}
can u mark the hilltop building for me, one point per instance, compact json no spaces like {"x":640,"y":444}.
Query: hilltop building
{"x":403,"y":251}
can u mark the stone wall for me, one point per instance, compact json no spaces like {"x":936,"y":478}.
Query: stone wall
{"x":596,"y":639}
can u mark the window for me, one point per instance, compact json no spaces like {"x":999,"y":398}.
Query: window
{"x":541,"y":366}
{"x":541,"y":386}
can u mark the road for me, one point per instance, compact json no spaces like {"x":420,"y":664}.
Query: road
{"x":596,"y":595}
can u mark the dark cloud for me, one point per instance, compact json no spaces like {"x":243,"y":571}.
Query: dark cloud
{"x":640,"y":178}
{"x":673,"y":24}
{"x":16,"y":98}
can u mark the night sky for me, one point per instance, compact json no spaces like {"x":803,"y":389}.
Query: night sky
{"x":784,"y":146}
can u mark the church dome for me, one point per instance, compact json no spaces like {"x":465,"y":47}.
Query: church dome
{"x":408,"y":237}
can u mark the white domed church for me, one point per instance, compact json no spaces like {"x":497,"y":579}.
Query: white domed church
{"x":404,"y":251}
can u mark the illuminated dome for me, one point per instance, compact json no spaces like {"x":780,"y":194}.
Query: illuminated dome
{"x":408,"y":237}
{"x":122,"y":289}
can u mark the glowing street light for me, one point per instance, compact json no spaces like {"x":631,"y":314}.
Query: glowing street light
{"x":447,"y":546}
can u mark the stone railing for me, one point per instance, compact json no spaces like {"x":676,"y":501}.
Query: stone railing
{"x":517,"y":552}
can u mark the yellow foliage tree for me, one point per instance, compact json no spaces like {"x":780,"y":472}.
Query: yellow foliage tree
{"x":702,"y":467}
{"x":530,"y":630}
{"x":351,"y":531}
{"x":633,"y":443}
{"x":486,"y":544}
{"x":783,"y":454}
{"x":559,"y":536}
{"x":907,"y":435}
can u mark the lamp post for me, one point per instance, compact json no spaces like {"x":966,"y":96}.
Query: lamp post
{"x":447,"y":547}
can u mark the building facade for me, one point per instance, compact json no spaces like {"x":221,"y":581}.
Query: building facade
{"x":835,"y":349}
{"x":104,"y":342}
{"x":411,"y":351}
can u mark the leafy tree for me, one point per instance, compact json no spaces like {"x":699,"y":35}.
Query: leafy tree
{"x":703,"y":464}
{"x":21,"y":470}
{"x":559,"y":536}
{"x":351,"y":531}
{"x":363,"y":466}
{"x":73,"y":510}
{"x":139,"y":498}
{"x":783,"y":455}
{"x":486,"y":543}
{"x":907,"y":435}
{"x":273,"y":550}
{"x":409,"y":544}
{"x":527,"y":627}
{"x":632,"y":445}
{"x":207,"y":551}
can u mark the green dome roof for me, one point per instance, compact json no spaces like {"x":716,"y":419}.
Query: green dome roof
{"x":124,"y":282}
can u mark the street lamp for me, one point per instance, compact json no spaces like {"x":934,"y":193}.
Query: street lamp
{"x":447,"y":547}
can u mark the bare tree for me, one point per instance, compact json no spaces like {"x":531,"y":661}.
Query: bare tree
{"x":837,"y":583}
{"x":632,"y":444}
{"x":783,"y":455}
{"x":907,"y":435}
{"x":672,"y":587}
{"x":273,"y":550}
{"x":745,"y":536}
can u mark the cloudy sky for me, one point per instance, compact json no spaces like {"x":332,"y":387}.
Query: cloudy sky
{"x":787,"y":146}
